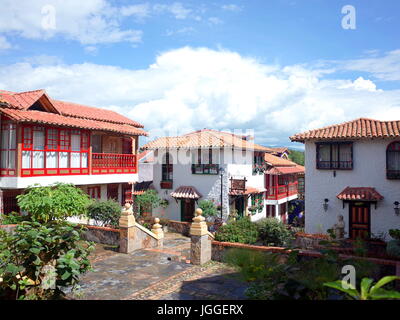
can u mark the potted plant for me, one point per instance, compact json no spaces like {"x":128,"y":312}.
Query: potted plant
{"x":209,"y":209}
{"x":147,"y":202}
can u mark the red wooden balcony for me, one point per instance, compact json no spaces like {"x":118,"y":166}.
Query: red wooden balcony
{"x":106,"y":163}
{"x":277,"y":192}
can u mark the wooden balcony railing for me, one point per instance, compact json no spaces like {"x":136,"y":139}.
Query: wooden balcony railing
{"x":106,"y":163}
{"x":282,"y":191}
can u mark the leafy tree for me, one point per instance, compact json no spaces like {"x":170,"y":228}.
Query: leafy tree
{"x":243,"y":231}
{"x":297,"y":156}
{"x":105,"y":212}
{"x":367,"y":290}
{"x":209,"y":208}
{"x":148,"y":201}
{"x":55,"y":202}
{"x":274,"y":233}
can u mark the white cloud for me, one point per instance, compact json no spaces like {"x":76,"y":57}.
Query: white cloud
{"x":4,"y":44}
{"x":215,"y":20}
{"x":231,"y":7}
{"x":191,"y":88}
{"x":177,"y":9}
{"x":89,"y":21}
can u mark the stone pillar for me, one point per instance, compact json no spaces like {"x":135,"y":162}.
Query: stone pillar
{"x":158,"y":231}
{"x":127,"y":225}
{"x":200,"y":250}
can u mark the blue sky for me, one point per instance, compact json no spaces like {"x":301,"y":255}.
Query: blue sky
{"x":276,"y":67}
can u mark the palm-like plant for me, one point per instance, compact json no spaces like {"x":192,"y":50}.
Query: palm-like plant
{"x":367,"y":290}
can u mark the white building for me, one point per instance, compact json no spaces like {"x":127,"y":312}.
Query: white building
{"x":207,"y":164}
{"x":44,"y":141}
{"x":353,"y":170}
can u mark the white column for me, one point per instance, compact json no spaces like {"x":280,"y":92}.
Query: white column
{"x":277,"y":212}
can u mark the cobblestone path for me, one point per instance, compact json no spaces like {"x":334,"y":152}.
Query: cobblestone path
{"x":154,"y":274}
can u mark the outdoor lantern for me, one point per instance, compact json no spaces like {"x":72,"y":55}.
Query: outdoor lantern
{"x":325,"y":204}
{"x":396,"y":208}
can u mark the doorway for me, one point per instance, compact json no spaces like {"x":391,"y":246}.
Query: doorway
{"x":239,"y":205}
{"x":359,"y":220}
{"x":187,"y":210}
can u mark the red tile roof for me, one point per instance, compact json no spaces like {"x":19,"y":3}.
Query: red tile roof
{"x":277,"y":161}
{"x":360,"y":194}
{"x":56,"y":119}
{"x":16,"y":106}
{"x":361,"y":128}
{"x":206,"y":138}
{"x":146,"y":156}
{"x":285,"y":170}
{"x":186,"y":192}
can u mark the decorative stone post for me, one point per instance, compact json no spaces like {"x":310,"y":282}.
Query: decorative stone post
{"x":127,"y":229}
{"x":158,"y":231}
{"x":200,"y":250}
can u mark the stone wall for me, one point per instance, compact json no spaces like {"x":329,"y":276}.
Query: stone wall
{"x":179,"y":227}
{"x":102,"y":235}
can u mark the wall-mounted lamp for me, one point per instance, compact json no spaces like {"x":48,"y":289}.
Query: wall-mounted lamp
{"x":325,"y":204}
{"x":396,"y":208}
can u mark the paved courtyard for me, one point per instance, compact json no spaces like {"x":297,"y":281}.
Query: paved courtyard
{"x":152,"y":274}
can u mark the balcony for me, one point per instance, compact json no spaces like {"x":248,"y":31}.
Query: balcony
{"x":109,"y":163}
{"x":205,"y":168}
{"x":277,"y":192}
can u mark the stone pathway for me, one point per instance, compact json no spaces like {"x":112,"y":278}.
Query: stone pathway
{"x":153,"y":274}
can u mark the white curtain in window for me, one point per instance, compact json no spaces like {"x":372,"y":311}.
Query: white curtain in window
{"x":26,"y":159}
{"x":38,"y":159}
{"x":324,"y":152}
{"x":52,"y":159}
{"x":13,"y":139}
{"x":4,"y":159}
{"x":5,"y":137}
{"x":75,"y":142}
{"x":75,"y":160}
{"x":394,"y":160}
{"x":84,"y":160}
{"x":345,"y":152}
{"x":38,"y":140}
{"x":64,"y":163}
{"x":205,"y":156}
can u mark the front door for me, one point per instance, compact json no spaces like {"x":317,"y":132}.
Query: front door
{"x":359,"y":220}
{"x":187,"y":210}
{"x":239,"y":205}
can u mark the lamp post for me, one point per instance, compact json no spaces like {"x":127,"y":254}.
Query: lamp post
{"x":221,"y":173}
{"x":325,"y":205}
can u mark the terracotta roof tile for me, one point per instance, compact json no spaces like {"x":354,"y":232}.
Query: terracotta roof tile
{"x":56,"y":119}
{"x":357,"y":129}
{"x":277,"y":161}
{"x":206,"y":138}
{"x":360,"y":194}
{"x":285,"y":170}
{"x":68,"y":114}
{"x":186,"y":192}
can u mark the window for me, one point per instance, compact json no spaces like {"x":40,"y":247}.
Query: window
{"x":335,"y":155}
{"x":167,"y":168}
{"x":207,"y":162}
{"x":54,"y":148}
{"x":393,"y":160}
{"x":8,"y":145}
{"x":94,"y":192}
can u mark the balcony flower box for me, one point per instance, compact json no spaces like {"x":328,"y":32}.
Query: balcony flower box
{"x":166,"y":184}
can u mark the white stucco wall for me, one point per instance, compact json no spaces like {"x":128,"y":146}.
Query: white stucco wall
{"x":235,"y":163}
{"x":145,"y":172}
{"x":369,"y":170}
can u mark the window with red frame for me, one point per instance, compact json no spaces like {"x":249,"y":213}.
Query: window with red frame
{"x":54,"y":148}
{"x":8,"y":145}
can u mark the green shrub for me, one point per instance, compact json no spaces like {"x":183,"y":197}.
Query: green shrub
{"x":243,"y":231}
{"x":209,"y":208}
{"x":395,"y":233}
{"x":148,"y":201}
{"x":105,"y":212}
{"x":38,"y":260}
{"x":393,"y":248}
{"x":55,"y":202}
{"x":13,"y":218}
{"x":274,"y":233}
